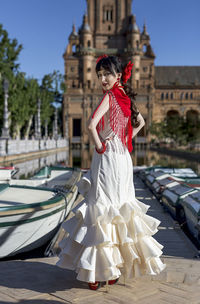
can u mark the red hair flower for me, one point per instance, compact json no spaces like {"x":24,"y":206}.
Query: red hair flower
{"x":127,"y":72}
{"x":101,"y":57}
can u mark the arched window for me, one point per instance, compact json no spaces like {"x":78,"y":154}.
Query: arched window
{"x":162,"y":96}
{"x":191,"y":96}
{"x":186,"y":96}
{"x":167,"y":96}
{"x":172,"y":116}
{"x":110,"y":15}
{"x":172,"y":96}
{"x":137,"y":44}
{"x":107,"y":13}
{"x":109,"y":28}
{"x":89,"y":43}
{"x":182,"y":95}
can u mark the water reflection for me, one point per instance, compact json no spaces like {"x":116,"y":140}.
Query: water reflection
{"x":82,"y":158}
{"x":28,"y":168}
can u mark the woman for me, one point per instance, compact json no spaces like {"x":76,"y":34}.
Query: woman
{"x":110,"y":233}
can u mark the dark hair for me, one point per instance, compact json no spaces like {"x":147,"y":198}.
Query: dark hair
{"x":114,"y":65}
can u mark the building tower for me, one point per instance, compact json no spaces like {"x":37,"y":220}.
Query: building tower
{"x":108,"y":28}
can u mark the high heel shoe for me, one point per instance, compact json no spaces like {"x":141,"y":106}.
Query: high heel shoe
{"x":94,"y":286}
{"x":112,"y":282}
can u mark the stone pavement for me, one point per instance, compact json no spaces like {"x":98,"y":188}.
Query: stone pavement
{"x":39,"y":281}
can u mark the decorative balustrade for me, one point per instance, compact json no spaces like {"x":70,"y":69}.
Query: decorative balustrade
{"x":17,"y":146}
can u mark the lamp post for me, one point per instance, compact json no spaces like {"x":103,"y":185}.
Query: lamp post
{"x":38,"y":120}
{"x":46,"y":128}
{"x":5,"y":130}
{"x":56,"y":124}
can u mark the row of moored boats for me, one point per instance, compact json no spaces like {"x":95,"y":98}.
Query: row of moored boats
{"x":179,"y":192}
{"x":32,"y":210}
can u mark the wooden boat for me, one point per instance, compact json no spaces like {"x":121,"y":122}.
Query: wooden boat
{"x":153,"y":176}
{"x":171,"y":200}
{"x":191,"y":206}
{"x":144,"y":172}
{"x":159,"y":185}
{"x":178,"y":172}
{"x":157,"y":178}
{"x":30,"y":216}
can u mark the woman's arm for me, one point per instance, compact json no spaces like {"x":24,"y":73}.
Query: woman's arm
{"x":142,"y":123}
{"x":101,"y":110}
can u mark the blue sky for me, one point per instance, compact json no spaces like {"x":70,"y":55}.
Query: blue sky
{"x":43,"y":27}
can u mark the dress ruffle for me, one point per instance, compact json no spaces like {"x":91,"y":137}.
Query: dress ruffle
{"x":104,"y":243}
{"x":110,"y":233}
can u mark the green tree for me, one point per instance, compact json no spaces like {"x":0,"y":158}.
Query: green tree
{"x":158,"y":129}
{"x":52,"y":89}
{"x":32,"y":91}
{"x":18,"y":105}
{"x":177,"y":129}
{"x":193,"y":130}
{"x":9,"y":52}
{"x":47,"y":98}
{"x":24,"y":92}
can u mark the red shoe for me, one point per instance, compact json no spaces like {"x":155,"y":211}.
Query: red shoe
{"x":112,"y":282}
{"x":94,"y":286}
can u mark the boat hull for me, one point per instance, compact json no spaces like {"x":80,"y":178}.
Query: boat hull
{"x":191,"y":205}
{"x":24,"y":227}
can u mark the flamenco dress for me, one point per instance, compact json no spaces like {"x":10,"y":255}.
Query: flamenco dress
{"x":110,"y":233}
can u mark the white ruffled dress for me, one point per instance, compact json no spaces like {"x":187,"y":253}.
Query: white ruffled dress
{"x":110,"y":233}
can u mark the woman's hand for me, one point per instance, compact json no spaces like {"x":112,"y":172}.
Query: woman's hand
{"x":142,"y":123}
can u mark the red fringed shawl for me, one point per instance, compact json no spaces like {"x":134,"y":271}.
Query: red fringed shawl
{"x":120,"y":116}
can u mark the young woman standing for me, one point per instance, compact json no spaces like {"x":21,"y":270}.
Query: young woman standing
{"x":110,"y":233}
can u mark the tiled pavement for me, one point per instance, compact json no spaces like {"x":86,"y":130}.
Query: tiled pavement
{"x":39,"y":281}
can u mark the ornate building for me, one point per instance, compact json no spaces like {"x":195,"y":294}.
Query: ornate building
{"x":177,"y":92}
{"x":109,"y":27}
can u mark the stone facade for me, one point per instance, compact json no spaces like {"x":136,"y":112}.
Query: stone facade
{"x":109,"y":27}
{"x":177,"y":92}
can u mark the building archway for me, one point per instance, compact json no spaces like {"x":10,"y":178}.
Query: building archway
{"x":172,"y":114}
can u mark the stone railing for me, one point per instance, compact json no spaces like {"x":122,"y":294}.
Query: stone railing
{"x":12,"y":146}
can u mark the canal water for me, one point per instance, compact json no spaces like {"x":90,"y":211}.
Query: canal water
{"x":82,"y":159}
{"x":140,"y":157}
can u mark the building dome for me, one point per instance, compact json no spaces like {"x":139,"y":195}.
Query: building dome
{"x":133,"y":25}
{"x":144,"y":35}
{"x":85,"y":26}
{"x":73,"y":34}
